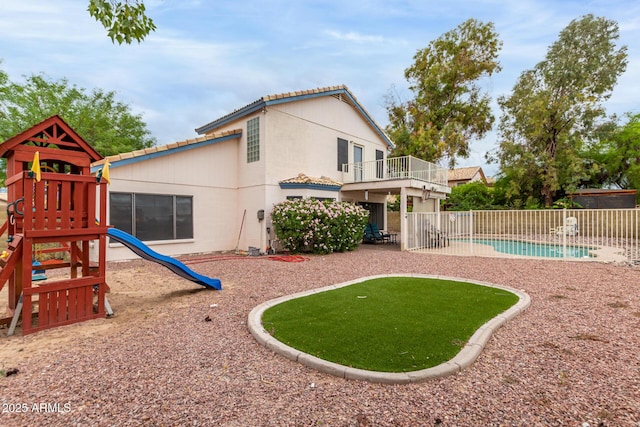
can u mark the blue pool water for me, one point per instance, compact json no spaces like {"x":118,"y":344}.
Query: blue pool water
{"x":547,"y":250}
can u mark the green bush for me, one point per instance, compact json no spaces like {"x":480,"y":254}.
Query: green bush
{"x":566,"y":203}
{"x":473,"y":195}
{"x":320,"y":227}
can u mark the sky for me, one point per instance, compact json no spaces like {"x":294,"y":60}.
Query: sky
{"x":210,"y":57}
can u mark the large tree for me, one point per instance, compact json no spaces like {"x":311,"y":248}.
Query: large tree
{"x":555,"y":109}
{"x":616,"y":155}
{"x":105,"y":123}
{"x":124,"y":20}
{"x":449,"y":109}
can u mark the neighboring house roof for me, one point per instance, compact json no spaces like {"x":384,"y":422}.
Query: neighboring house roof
{"x":466,"y":174}
{"x":341,"y":92}
{"x":304,"y":181}
{"x":163,"y":150}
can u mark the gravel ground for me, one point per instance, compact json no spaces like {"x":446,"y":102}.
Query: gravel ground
{"x":572,"y":359}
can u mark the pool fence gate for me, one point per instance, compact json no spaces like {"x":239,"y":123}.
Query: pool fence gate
{"x":587,"y":234}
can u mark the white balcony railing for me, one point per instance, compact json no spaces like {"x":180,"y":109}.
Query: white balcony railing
{"x":406,"y":167}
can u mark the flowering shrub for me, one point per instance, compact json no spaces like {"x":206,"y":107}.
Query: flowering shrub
{"x":309,"y":225}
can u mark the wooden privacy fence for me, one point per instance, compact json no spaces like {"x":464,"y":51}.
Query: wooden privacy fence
{"x":597,"y":234}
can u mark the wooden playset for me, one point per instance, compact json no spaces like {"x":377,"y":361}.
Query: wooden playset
{"x":53,"y":202}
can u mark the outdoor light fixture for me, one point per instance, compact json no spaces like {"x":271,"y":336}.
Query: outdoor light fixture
{"x":425,"y":193}
{"x":366,"y":194}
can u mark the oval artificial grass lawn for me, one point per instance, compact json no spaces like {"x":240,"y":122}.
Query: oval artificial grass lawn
{"x":391,"y":324}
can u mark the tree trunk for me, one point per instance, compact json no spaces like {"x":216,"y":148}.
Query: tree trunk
{"x":549,"y":175}
{"x":548,"y":195}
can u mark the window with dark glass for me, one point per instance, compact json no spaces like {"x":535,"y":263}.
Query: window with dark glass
{"x":152,"y":216}
{"x":122,"y":211}
{"x":379,"y":164}
{"x":184,"y":217}
{"x":343,"y":153}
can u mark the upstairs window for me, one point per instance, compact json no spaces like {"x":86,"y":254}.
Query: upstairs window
{"x":253,"y":140}
{"x":343,"y":153}
{"x":379,"y":164}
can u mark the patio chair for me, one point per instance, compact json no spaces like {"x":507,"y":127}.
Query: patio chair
{"x":570,"y":228}
{"x":384,"y":236}
{"x":436,"y":238}
{"x":369,"y":237}
{"x":372,"y":234}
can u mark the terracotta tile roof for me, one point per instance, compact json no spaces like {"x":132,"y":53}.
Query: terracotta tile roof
{"x":304,"y":179}
{"x":341,"y":92}
{"x":304,"y":92}
{"x":167,"y":147}
{"x":464,"y":174}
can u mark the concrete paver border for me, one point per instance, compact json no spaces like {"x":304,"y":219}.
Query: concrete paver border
{"x":467,"y":355}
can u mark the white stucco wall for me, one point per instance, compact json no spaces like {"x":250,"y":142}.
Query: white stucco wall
{"x":295,"y":137}
{"x":208,"y":174}
{"x":302,"y":138}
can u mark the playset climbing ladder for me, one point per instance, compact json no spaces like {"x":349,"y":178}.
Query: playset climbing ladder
{"x":52,"y":200}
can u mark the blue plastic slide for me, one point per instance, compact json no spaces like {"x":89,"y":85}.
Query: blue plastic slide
{"x":172,"y":264}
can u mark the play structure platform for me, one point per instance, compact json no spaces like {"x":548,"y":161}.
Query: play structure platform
{"x":55,"y":205}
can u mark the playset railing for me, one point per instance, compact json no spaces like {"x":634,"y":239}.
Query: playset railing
{"x":67,"y":211}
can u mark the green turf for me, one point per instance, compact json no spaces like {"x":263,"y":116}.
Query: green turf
{"x":393,"y":324}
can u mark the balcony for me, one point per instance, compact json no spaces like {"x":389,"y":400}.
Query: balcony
{"x":396,"y":168}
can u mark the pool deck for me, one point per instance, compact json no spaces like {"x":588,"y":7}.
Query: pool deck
{"x":600,"y":254}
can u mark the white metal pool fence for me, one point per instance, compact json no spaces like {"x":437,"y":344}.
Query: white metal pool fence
{"x":603,"y":234}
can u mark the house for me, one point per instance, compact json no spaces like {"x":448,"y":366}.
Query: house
{"x":216,"y":192}
{"x":461,"y":176}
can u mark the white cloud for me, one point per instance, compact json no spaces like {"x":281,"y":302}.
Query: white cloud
{"x":353,"y":36}
{"x":208,"y":58}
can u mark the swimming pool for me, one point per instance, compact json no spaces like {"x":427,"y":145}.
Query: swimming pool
{"x":546,"y":250}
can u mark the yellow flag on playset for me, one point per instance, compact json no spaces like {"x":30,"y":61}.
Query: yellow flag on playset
{"x":105,"y":172}
{"x":35,"y":166}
